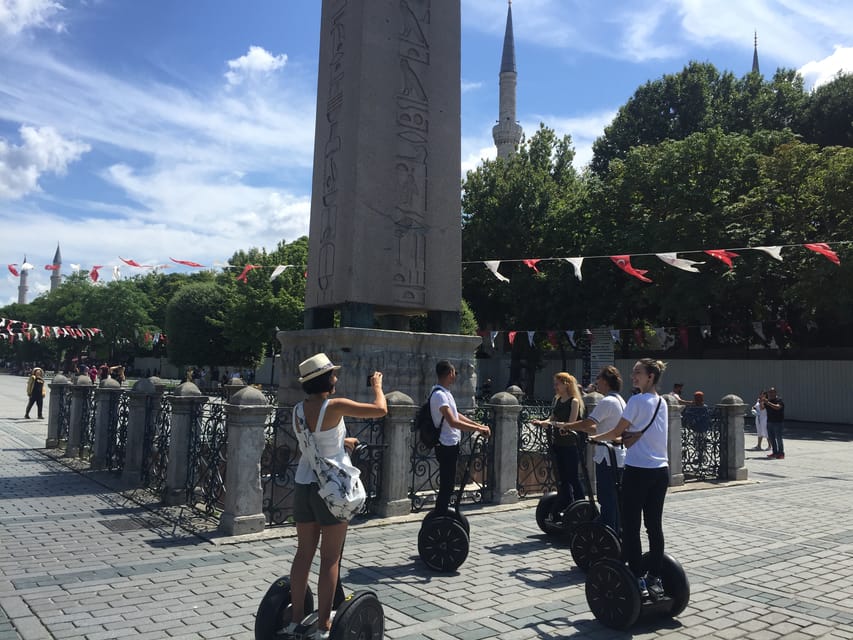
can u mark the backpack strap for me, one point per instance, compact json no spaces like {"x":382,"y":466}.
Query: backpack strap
{"x":429,"y":402}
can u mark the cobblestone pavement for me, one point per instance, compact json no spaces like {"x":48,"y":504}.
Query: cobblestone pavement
{"x":768,"y":558}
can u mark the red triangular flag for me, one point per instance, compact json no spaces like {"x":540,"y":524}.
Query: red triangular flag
{"x":93,"y":274}
{"x":624,"y":263}
{"x":51,"y":267}
{"x":823,"y":249}
{"x":129,"y":262}
{"x":245,"y":275}
{"x":511,"y":336}
{"x":187,"y":263}
{"x":13,"y":270}
{"x":722,"y":255}
{"x":531,"y":262}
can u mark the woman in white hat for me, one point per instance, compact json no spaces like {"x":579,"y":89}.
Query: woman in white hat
{"x":324,"y":417}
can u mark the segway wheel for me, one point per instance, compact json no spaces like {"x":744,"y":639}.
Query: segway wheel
{"x":453,"y":513}
{"x":594,"y":541}
{"x":274,"y":612}
{"x":579,"y":511}
{"x":443,"y":543}
{"x":675,"y":583}
{"x":612,"y":594}
{"x":548,"y":517}
{"x":360,"y":617}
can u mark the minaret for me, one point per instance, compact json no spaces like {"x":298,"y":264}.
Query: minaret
{"x":23,"y":288}
{"x":507,"y":132}
{"x":56,"y":276}
{"x":755,"y":56}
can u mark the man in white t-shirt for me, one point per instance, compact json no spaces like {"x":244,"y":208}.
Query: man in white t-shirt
{"x":603,"y":418}
{"x":443,"y":410}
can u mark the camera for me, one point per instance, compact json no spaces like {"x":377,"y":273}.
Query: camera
{"x":370,"y":380}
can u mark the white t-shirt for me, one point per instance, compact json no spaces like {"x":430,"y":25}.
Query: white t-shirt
{"x":606,"y":416}
{"x":650,"y":450}
{"x":443,"y":398}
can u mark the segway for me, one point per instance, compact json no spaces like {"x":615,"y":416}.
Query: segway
{"x":561,"y":523}
{"x":443,"y":540}
{"x":593,"y":541}
{"x":358,"y":615}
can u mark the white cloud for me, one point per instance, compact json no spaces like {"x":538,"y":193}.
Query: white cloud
{"x":584,"y":129}
{"x":18,"y":15}
{"x":42,"y":150}
{"x":257,"y":62}
{"x":471,"y":86}
{"x":818,"y":72}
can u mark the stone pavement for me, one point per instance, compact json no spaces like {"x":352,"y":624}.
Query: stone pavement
{"x":768,"y":558}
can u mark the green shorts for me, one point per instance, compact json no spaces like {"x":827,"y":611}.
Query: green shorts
{"x":308,"y":506}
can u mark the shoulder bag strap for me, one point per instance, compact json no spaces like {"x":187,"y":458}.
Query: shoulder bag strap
{"x":655,"y":415}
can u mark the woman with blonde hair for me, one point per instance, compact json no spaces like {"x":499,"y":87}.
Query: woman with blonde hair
{"x":568,"y":407}
{"x":35,"y":392}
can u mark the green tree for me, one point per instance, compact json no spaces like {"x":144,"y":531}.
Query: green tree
{"x":194,"y":320}
{"x":121,"y":311}
{"x":827,"y":117}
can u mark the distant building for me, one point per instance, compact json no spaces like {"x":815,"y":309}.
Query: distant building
{"x":507,"y":132}
{"x":56,"y":276}
{"x":23,"y":287}
{"x":755,"y":68}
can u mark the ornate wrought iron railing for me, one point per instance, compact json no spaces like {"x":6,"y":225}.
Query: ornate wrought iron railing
{"x":206,"y":460}
{"x":424,"y":468}
{"x":117,"y":431}
{"x":535,"y":466}
{"x":87,"y":419}
{"x":64,"y":417}
{"x":703,"y":443}
{"x":372,"y":434}
{"x":155,"y":461}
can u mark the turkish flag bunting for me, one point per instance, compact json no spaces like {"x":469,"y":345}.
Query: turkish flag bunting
{"x":531,"y":262}
{"x":511,"y":336}
{"x":823,"y":249}
{"x":624,"y":263}
{"x":722,"y":255}
{"x":244,"y":276}
{"x":13,"y":270}
{"x":187,"y":263}
{"x":93,"y":274}
{"x":51,"y":267}
{"x":129,"y":262}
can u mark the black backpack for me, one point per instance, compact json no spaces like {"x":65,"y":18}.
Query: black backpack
{"x":427,"y":431}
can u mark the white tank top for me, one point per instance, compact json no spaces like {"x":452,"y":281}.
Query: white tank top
{"x":330,"y":444}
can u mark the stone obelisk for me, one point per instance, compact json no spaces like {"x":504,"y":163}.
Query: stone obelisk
{"x":385,"y":231}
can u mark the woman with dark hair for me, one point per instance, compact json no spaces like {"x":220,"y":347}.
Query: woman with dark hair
{"x":35,"y":392}
{"x":324,"y":417}
{"x":644,"y":429}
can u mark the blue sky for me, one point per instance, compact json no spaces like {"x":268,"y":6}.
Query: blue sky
{"x":184,"y":128}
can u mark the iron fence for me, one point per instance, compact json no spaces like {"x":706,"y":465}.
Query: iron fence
{"x":535,"y":466}
{"x":156,"y":458}
{"x":206,"y":459}
{"x":64,"y":417}
{"x":119,"y":415}
{"x":87,"y":419}
{"x":703,"y":443}
{"x":425,"y":470}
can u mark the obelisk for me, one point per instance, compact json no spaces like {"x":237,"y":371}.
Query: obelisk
{"x":385,"y":232}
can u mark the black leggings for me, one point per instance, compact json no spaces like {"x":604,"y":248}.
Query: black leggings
{"x":570,"y":488}
{"x":446,"y":456}
{"x":643,"y":494}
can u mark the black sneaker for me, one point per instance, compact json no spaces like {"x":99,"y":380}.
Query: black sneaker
{"x":654,"y":586}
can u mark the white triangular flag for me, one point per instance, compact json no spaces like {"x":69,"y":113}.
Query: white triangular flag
{"x":492,"y":265}
{"x":774,"y":252}
{"x":662,"y":337}
{"x":679,"y":263}
{"x":278,"y":271}
{"x":576,"y":264}
{"x":75,"y":267}
{"x":492,"y":336}
{"x":614,"y":333}
{"x":571,"y":336}
{"x":530,"y":337}
{"x":757,"y":327}
{"x":116,"y":273}
{"x":27,"y":266}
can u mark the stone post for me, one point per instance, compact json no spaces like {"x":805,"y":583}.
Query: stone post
{"x":590,"y":400}
{"x":233,"y":386}
{"x":246,"y":414}
{"x":186,"y":401}
{"x":466,"y":387}
{"x":517,"y":392}
{"x":58,"y":388}
{"x":396,"y":471}
{"x":138,"y":417}
{"x":107,"y":393}
{"x":505,"y":444}
{"x":676,"y":472}
{"x":79,"y":398}
{"x":732,"y":409}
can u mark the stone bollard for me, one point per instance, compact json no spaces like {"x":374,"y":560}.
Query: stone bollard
{"x":516,"y":391}
{"x":505,"y":443}
{"x":186,"y":401}
{"x":58,"y":388}
{"x":398,"y":455}
{"x":246,"y":415}
{"x":590,"y":401}
{"x":673,"y":445}
{"x":233,"y":386}
{"x":141,"y":396}
{"x":79,"y":397}
{"x":732,"y":409}
{"x":107,"y":394}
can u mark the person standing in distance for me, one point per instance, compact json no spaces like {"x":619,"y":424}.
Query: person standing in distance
{"x":35,"y":392}
{"x":644,"y":430}
{"x":775,"y":423}
{"x":443,"y":411}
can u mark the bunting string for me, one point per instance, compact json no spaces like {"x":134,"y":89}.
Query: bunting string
{"x":12,"y":330}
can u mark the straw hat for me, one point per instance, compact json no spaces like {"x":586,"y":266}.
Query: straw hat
{"x":316,"y":366}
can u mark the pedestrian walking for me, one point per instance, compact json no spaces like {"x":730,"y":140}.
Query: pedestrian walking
{"x":35,"y":392}
{"x":775,"y":423}
{"x":760,"y":413}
